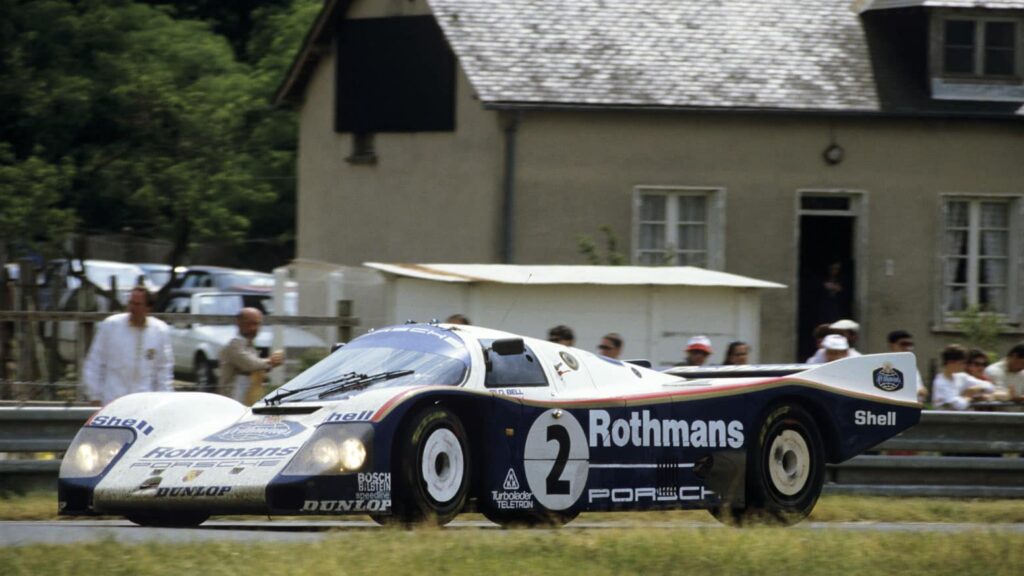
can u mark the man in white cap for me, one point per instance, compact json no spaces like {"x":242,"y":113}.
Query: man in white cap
{"x":698,"y":349}
{"x":835,"y":347}
{"x":846,"y":328}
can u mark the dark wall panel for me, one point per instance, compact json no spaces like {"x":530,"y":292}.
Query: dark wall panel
{"x":394,"y":75}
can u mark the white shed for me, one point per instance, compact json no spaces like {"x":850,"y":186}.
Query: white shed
{"x":655,"y":309}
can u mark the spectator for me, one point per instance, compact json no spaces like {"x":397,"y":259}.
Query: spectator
{"x":953,"y":388}
{"x":848,"y":329}
{"x":610,"y":346}
{"x":903,"y":341}
{"x":457,"y":319}
{"x":130,"y":353}
{"x":977,"y":361}
{"x":1008,"y":373}
{"x":736,"y":354}
{"x":240,"y":362}
{"x":698,"y":349}
{"x":563,"y":335}
{"x":835,"y":347}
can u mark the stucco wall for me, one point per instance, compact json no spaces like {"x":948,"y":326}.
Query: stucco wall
{"x":577,"y":171}
{"x":431,"y":196}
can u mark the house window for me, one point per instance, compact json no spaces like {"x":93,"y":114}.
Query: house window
{"x":977,"y":255}
{"x":977,"y":47}
{"x":677,"y":227}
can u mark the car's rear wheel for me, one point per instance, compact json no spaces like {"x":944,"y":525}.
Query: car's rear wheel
{"x":434,"y":466}
{"x":785,"y":470}
{"x":205,"y":373}
{"x":169,"y":519}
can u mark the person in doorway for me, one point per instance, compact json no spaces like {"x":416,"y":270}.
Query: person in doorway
{"x":241,"y":367}
{"x":1008,"y":373}
{"x":130,"y":353}
{"x":610,"y":346}
{"x":736,"y":354}
{"x":954,"y":388}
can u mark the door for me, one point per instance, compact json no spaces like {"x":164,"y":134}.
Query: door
{"x":827,"y":266}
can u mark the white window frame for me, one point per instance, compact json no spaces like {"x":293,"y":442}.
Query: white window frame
{"x":1015,"y":216}
{"x":978,"y":73}
{"x":714,"y":225}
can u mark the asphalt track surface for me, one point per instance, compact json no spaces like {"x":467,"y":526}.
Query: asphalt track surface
{"x":20,"y":533}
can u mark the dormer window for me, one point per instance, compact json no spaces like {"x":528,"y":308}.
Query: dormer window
{"x":979,"y":48}
{"x":977,"y":55}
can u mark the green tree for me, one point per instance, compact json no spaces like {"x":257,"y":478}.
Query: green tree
{"x":156,"y":117}
{"x":30,"y":216}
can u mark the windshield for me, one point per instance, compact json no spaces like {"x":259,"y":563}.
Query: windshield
{"x":430,"y":355}
{"x":227,"y":304}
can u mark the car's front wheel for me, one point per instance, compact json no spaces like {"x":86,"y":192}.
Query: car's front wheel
{"x":785,"y":470}
{"x":434,"y":466}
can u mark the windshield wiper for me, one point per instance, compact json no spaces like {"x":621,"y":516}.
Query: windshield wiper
{"x":286,"y":393}
{"x":364,"y":380}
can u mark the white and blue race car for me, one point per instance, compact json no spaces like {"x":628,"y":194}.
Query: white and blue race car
{"x":417,"y":423}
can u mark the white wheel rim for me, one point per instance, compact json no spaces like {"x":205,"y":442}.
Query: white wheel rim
{"x":442,"y":465}
{"x":789,"y":462}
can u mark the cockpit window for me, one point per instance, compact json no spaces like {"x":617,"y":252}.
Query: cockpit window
{"x":513,"y":371}
{"x":400,"y":356}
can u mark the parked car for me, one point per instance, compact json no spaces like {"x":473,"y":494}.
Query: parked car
{"x":57,"y":280}
{"x":197,"y":346}
{"x":160,"y":274}
{"x":414,"y":423}
{"x":224,"y":279}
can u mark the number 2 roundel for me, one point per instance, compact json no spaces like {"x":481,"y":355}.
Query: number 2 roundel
{"x":556,"y":459}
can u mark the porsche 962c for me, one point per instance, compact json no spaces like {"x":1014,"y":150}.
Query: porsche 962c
{"x":419,"y":422}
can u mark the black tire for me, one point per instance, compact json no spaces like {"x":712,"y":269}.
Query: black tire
{"x":435,"y":437}
{"x":205,"y":373}
{"x":522,"y":519}
{"x":169,"y":519}
{"x":785,"y":470}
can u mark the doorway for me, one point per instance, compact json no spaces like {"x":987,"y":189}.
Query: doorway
{"x":827,"y":266}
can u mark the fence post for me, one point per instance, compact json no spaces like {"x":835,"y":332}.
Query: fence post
{"x":25,"y":371}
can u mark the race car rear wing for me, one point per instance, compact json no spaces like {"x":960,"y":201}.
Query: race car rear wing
{"x":891,"y":375}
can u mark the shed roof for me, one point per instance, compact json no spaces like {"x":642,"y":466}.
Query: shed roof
{"x":570,"y":274}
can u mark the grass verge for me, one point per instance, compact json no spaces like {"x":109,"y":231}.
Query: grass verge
{"x":594,"y":552}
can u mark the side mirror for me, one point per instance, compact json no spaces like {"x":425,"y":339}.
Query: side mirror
{"x":508,"y":346}
{"x":336,"y":346}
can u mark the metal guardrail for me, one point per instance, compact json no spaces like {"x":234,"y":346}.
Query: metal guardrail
{"x":950,"y":454}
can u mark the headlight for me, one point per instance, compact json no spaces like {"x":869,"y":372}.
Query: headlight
{"x":93,"y":450}
{"x":333,"y":449}
{"x":353,"y":454}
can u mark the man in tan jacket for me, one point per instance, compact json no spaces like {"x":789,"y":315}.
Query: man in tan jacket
{"x":241,"y":368}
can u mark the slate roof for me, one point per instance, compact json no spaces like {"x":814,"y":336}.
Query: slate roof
{"x":793,"y":54}
{"x":764,"y":55}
